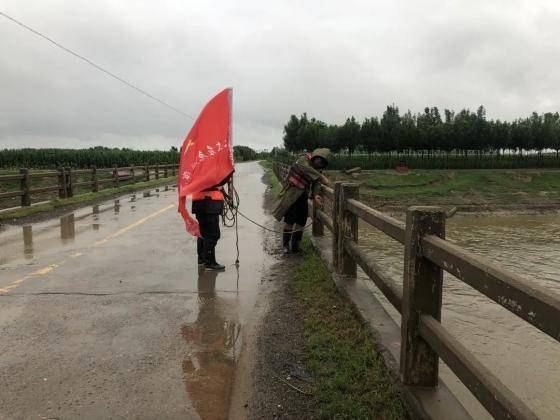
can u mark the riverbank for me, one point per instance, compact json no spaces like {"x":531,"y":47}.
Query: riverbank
{"x":314,"y":358}
{"x":470,"y":190}
{"x":51,"y":208}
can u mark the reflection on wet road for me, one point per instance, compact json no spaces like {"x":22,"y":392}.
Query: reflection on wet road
{"x":525,"y":359}
{"x":215,"y":340}
{"x":103,"y":312}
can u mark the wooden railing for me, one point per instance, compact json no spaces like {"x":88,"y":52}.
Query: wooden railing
{"x":67,"y":179}
{"x":426,"y":255}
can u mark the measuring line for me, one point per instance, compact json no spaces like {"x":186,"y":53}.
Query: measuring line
{"x":45,"y":270}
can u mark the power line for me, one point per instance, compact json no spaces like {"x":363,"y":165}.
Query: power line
{"x":91,"y":63}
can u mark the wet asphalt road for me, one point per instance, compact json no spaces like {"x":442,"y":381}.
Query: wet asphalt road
{"x":103,"y":313}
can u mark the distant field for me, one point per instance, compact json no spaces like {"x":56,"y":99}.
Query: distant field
{"x":101,"y":157}
{"x":474,"y":187}
{"x":437,"y":161}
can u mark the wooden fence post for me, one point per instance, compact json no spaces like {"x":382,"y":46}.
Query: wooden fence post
{"x":165,"y":171}
{"x":69,"y":183}
{"x":115,"y":177}
{"x":94,"y":182}
{"x":422,"y":287}
{"x":317,"y":229}
{"x":25,"y":187}
{"x":61,"y":183}
{"x":157,"y":171}
{"x":146,"y":173}
{"x":336,"y":222}
{"x":285,"y":173}
{"x":347,"y":228}
{"x":132,"y":177}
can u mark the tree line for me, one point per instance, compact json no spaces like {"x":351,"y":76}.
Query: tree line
{"x":426,"y":133}
{"x":245,"y":153}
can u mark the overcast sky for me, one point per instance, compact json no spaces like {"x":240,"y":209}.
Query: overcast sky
{"x":330,"y":59}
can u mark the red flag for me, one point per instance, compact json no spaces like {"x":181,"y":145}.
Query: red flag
{"x":206,"y":154}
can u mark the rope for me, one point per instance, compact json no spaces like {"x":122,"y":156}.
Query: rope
{"x":231,"y":213}
{"x":274,"y":230}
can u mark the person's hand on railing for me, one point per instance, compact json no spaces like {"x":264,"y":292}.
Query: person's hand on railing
{"x":319,"y":201}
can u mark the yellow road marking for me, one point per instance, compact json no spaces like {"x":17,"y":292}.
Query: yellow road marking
{"x":49,"y":268}
{"x":133,"y":225}
{"x":44,"y":270}
{"x":36,"y":273}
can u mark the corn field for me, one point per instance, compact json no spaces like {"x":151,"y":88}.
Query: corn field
{"x":83,"y":158}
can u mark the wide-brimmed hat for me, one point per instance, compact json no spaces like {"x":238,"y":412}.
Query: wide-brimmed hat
{"x":322,"y":153}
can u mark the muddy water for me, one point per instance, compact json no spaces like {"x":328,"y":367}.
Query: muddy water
{"x":525,"y":359}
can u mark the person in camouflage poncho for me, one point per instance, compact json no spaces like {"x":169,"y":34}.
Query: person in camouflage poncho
{"x":302,"y":182}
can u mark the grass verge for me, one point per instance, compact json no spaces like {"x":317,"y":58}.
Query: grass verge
{"x":350,"y":381}
{"x":81,"y":199}
{"x":270,"y":177}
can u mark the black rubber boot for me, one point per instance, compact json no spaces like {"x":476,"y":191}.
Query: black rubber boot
{"x":214,"y":266}
{"x":210,"y":258}
{"x":296,"y":239}
{"x":286,"y":237}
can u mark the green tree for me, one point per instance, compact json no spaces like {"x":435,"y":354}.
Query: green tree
{"x":348,"y":135}
{"x":370,"y":135}
{"x":390,"y":124}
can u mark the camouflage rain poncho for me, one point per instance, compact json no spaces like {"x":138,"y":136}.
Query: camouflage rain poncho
{"x":290,"y":193}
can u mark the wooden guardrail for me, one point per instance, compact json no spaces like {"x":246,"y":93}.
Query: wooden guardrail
{"x":426,"y":255}
{"x":67,"y":179}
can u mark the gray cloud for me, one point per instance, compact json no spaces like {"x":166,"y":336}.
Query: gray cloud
{"x":330,"y":59}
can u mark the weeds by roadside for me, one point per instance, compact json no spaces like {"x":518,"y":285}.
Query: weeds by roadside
{"x":270,"y":177}
{"x":349,"y":380}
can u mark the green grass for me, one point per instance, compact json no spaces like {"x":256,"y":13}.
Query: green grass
{"x":460,"y":186}
{"x":349,"y":380}
{"x":81,"y":199}
{"x":270,"y":177}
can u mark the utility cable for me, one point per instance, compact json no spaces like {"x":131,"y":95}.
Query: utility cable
{"x":91,"y":63}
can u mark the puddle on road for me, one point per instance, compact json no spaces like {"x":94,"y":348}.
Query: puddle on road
{"x":81,"y":226}
{"x":215,"y":341}
{"x":67,"y":228}
{"x":28,"y":241}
